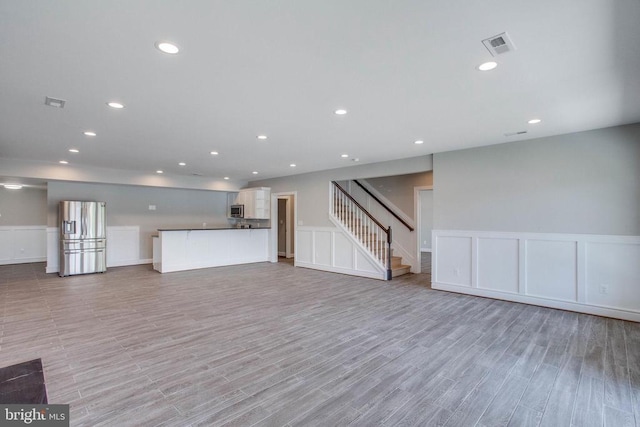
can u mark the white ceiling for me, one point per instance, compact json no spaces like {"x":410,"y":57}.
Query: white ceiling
{"x":404,"y":70}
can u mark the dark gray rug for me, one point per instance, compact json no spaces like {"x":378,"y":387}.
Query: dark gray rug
{"x":23,"y":383}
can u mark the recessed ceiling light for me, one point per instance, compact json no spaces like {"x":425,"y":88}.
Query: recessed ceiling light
{"x":340,"y":112}
{"x":12,"y":186}
{"x":74,"y":150}
{"x":115,"y":105}
{"x":534,"y":121}
{"x":262,"y":136}
{"x":344,"y":156}
{"x":226,"y":177}
{"x":255,"y":172}
{"x":167,"y":47}
{"x":182,"y":164}
{"x":487,"y":66}
{"x":293,"y":165}
{"x":64,"y":162}
{"x":159,"y":171}
{"x":214,"y":153}
{"x":419,"y":142}
{"x":90,"y":133}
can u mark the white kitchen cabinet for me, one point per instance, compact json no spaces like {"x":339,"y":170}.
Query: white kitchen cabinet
{"x":256,"y":201}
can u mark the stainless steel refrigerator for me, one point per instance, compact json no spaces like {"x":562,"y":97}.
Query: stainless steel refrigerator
{"x":83,"y":237}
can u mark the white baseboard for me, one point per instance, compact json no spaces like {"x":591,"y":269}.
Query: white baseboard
{"x":350,"y":272}
{"x":124,"y":263}
{"x":22,"y":260}
{"x":544,"y":302}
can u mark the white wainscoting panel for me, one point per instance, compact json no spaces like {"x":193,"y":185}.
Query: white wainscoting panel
{"x":330,"y":249}
{"x":123,"y":246}
{"x":613,"y":275}
{"x":304,"y":246}
{"x":551,"y":269}
{"x":6,"y":245}
{"x":454,"y":264}
{"x":22,"y":244}
{"x":323,"y":254}
{"x":587,"y":273}
{"x":343,"y":252}
{"x":498,"y":268}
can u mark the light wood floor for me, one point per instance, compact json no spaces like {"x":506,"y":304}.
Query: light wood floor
{"x":271,"y":344}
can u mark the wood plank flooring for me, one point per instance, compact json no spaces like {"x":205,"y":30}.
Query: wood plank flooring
{"x":274,"y":345}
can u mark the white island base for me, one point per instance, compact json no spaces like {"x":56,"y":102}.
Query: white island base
{"x":178,"y":250}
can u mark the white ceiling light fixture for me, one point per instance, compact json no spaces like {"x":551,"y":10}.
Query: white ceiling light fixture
{"x":344,"y":156}
{"x":534,"y":121}
{"x":12,"y":186}
{"x":226,"y":178}
{"x":418,"y":142}
{"x":340,"y":112}
{"x":182,"y":164}
{"x":89,"y":133}
{"x":263,"y":137}
{"x":74,"y":150}
{"x":115,"y":105}
{"x":159,"y":171}
{"x":487,"y":66}
{"x":214,"y":153}
{"x":292,"y":165}
{"x":167,"y":47}
{"x":255,"y":172}
{"x":63,"y":162}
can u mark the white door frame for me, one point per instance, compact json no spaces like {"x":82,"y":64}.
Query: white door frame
{"x":292,"y":221}
{"x":418,"y":216}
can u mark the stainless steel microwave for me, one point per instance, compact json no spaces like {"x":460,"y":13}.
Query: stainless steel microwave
{"x":237,"y":211}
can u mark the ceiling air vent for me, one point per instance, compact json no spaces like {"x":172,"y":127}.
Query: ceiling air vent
{"x":53,"y":102}
{"x":497,"y":45}
{"x":520,"y":132}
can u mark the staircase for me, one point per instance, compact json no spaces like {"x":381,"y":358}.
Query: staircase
{"x":367,"y":230}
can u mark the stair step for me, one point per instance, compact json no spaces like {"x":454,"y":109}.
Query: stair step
{"x":399,"y":271}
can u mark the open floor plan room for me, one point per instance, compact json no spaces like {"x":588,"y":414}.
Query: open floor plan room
{"x":270,"y":344}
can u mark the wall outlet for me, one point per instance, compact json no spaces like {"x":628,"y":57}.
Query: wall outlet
{"x":604,"y":289}
{"x":152,"y":207}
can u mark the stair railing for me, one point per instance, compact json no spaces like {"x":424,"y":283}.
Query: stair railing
{"x":381,"y":203}
{"x":374,"y":236}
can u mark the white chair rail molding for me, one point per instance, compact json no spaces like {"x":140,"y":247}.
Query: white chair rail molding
{"x":593,"y":274}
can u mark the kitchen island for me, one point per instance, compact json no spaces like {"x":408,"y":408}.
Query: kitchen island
{"x":188,"y":249}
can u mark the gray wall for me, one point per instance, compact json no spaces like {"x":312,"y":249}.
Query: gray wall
{"x":129,"y":205}
{"x":586,"y":182}
{"x":27,"y":206}
{"x":313,"y":188}
{"x":398,"y":189}
{"x":426,"y":218}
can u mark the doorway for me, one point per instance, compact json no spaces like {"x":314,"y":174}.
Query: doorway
{"x":283,"y":228}
{"x":423,"y":197}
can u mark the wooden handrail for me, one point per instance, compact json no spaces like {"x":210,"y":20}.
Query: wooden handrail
{"x":384,"y":206}
{"x":371,"y":217}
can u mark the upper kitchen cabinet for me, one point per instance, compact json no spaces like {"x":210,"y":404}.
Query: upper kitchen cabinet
{"x":256,"y":201}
